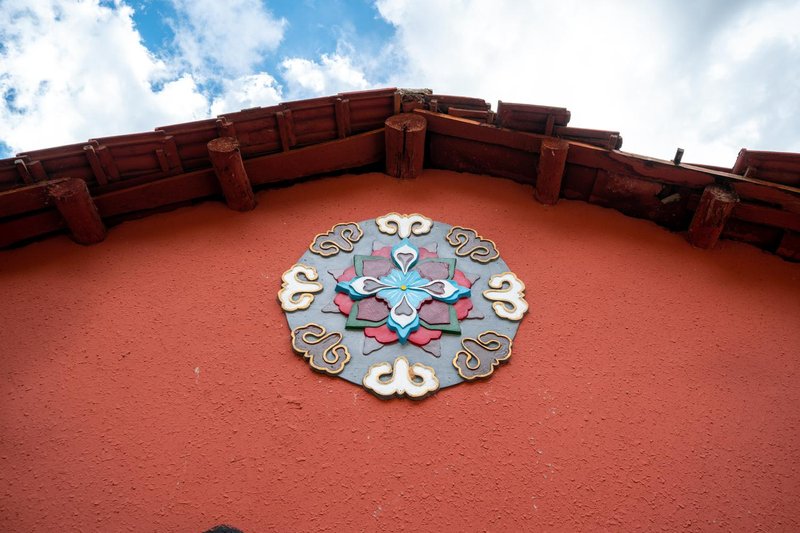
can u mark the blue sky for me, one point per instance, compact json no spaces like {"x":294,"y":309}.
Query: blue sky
{"x":711,"y":76}
{"x":314,"y":27}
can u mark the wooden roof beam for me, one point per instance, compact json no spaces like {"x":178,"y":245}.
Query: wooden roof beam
{"x":715,"y":208}
{"x":229,"y":169}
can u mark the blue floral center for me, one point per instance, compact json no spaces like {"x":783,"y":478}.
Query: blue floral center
{"x":404,"y":290}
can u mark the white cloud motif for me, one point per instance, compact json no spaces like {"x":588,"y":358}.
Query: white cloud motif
{"x":508,"y":296}
{"x":398,"y":379}
{"x":404,"y":225}
{"x":299,"y":284}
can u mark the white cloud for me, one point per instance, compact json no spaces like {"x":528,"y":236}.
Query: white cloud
{"x":230,"y":37}
{"x":75,"y":70}
{"x":711,"y":76}
{"x":751,"y":95}
{"x":70,"y":71}
{"x":246,"y":91}
{"x":331,"y":74}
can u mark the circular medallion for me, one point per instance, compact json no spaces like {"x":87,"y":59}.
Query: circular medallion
{"x":402,"y":305}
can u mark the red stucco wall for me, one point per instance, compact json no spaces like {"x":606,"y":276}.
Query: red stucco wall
{"x":147,"y":383}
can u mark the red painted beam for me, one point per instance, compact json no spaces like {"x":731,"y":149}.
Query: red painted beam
{"x":25,"y":199}
{"x":30,"y":226}
{"x":475,"y":131}
{"x":351,"y":152}
{"x":155,"y":194}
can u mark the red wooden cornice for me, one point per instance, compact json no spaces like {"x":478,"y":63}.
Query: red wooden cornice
{"x":85,"y":187}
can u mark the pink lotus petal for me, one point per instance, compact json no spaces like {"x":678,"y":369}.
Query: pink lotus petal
{"x":347,"y":275}
{"x":381,"y":334}
{"x":343,"y":302}
{"x":461,"y":279}
{"x":463,"y":307}
{"x":423,"y":336}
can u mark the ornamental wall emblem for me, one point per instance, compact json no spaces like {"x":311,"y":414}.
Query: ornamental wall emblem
{"x":402,"y":305}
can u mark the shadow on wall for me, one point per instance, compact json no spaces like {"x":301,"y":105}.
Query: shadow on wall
{"x":222,"y":528}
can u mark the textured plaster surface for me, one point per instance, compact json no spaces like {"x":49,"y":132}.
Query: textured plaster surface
{"x":147,"y":383}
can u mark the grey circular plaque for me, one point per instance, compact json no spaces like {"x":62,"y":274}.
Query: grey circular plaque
{"x":402,"y":305}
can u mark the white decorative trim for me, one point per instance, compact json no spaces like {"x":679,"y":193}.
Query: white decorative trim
{"x":414,"y":381}
{"x":509,"y":298}
{"x":404,"y":225}
{"x":295,"y":293}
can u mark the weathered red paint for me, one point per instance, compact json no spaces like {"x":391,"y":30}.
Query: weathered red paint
{"x":550,"y":172}
{"x":715,"y":207}
{"x":72,"y":199}
{"x":147,"y":383}
{"x":226,"y":158}
{"x":405,"y":145}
